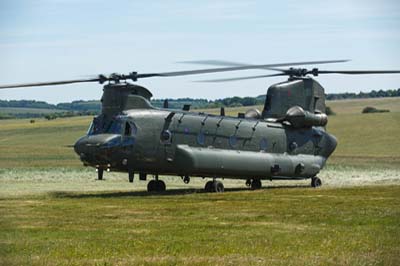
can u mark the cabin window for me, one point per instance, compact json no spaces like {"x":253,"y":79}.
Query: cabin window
{"x":263,"y":144}
{"x":233,"y":141}
{"x":201,"y":138}
{"x":293,"y":146}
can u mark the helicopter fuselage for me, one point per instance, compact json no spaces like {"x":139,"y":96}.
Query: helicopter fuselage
{"x":175,"y":142}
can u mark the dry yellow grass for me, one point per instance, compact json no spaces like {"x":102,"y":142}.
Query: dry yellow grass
{"x":356,"y":106}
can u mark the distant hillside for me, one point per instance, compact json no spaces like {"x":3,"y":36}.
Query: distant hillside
{"x":73,"y":106}
{"x":33,"y":108}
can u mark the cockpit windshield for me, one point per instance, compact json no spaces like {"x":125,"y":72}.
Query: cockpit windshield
{"x":100,"y":126}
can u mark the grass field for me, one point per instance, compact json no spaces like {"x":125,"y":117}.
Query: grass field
{"x":285,"y":226}
{"x":54,"y":212}
{"x":366,"y":139}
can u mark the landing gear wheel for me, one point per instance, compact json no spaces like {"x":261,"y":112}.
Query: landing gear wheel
{"x":316,"y":182}
{"x":100,"y":172}
{"x":156,"y":186}
{"x":255,"y":184}
{"x":186,"y":179}
{"x":218,"y":187}
{"x":248,"y":182}
{"x":160,"y":186}
{"x":208,"y":186}
{"x":151,"y":186}
{"x":214,"y":186}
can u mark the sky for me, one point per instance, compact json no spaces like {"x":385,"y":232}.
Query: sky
{"x":48,"y":40}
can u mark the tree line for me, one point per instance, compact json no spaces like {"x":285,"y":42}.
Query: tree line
{"x":93,"y":107}
{"x":362,"y":95}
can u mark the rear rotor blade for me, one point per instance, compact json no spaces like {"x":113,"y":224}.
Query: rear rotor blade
{"x":242,"y":78}
{"x":226,"y":64}
{"x":252,"y":66}
{"x":358,"y":72}
{"x":235,"y":68}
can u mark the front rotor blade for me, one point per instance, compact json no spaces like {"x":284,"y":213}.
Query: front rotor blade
{"x":37,"y":84}
{"x":358,"y":72}
{"x":242,"y":78}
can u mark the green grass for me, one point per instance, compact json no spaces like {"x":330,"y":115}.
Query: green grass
{"x":368,"y":138}
{"x":296,"y":226}
{"x":41,"y":144}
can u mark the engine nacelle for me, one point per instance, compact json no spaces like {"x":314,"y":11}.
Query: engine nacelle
{"x":299,"y":118}
{"x":253,"y":113}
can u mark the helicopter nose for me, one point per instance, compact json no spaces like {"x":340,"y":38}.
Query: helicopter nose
{"x":94,"y":149}
{"x":79,"y":145}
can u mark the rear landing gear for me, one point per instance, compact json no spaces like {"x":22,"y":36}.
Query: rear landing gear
{"x":131,"y":176}
{"x":316,"y":182}
{"x":253,"y":183}
{"x":214,"y":186}
{"x":256,"y":184}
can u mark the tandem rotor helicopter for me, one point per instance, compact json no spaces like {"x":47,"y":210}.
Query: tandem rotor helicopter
{"x":286,"y":140}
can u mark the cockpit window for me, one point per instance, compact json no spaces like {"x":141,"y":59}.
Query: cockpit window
{"x":117,"y":125}
{"x":99,"y":126}
{"x":130,"y":129}
{"x":114,"y":127}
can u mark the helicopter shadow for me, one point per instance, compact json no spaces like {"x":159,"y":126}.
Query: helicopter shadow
{"x":171,"y":192}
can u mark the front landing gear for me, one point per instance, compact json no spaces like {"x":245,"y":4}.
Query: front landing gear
{"x":214,"y":186}
{"x":316,"y":182}
{"x":100,"y":172}
{"x":156,"y":185}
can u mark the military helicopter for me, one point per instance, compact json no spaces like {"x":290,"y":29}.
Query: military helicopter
{"x":286,"y":140}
